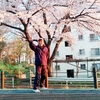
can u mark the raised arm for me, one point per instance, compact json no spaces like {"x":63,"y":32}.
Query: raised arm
{"x":31,"y":44}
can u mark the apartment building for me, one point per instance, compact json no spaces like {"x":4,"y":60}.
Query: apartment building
{"x":79,"y":61}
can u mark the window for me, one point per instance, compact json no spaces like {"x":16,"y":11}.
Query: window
{"x":95,"y":51}
{"x":80,"y":37}
{"x":81,"y":52}
{"x":82,"y":66}
{"x":57,"y":67}
{"x":66,"y":44}
{"x":57,"y":53}
{"x":93,"y":37}
{"x":96,"y":65}
{"x":69,"y":57}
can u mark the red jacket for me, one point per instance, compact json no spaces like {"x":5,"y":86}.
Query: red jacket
{"x":41,"y":53}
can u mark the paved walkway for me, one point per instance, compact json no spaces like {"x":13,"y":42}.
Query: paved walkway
{"x":50,"y":94}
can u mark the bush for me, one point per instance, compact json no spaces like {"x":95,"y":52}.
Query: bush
{"x":15,"y":69}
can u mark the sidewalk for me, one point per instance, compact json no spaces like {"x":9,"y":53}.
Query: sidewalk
{"x":51,"y":91}
{"x":50,"y":94}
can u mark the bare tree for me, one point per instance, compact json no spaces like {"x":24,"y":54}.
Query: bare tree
{"x":50,"y":19}
{"x":16,"y":49}
{"x":2,"y":42}
{"x":2,"y":45}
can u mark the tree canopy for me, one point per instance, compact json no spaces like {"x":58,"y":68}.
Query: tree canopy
{"x":53,"y":20}
{"x":50,"y":18}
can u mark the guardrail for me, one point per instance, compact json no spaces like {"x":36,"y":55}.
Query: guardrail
{"x":78,"y":82}
{"x":72,"y":82}
{"x":53,"y":82}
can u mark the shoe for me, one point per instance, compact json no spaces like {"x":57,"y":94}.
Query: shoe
{"x":43,"y":88}
{"x":36,"y":90}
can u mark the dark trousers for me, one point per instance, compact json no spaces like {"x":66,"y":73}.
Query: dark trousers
{"x":40,"y":76}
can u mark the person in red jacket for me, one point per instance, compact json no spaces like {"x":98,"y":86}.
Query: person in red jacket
{"x":41,"y":57}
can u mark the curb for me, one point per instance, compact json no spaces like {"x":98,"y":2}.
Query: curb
{"x":52,"y":91}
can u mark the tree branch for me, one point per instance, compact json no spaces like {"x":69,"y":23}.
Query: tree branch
{"x":91,"y":29}
{"x":38,"y":32}
{"x":10,"y":11}
{"x":92,"y":17}
{"x":48,"y":33}
{"x":59,"y":5}
{"x":24,"y":5}
{"x":37,"y":11}
{"x":78,"y":15}
{"x":12,"y":27}
{"x":92,"y":4}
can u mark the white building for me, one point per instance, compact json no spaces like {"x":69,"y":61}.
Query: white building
{"x":86,"y":47}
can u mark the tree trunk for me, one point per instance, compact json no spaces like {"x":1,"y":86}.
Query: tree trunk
{"x":19,"y":59}
{"x":53,"y":56}
{"x":49,"y":70}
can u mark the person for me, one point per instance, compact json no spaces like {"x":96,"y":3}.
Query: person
{"x":41,"y":58}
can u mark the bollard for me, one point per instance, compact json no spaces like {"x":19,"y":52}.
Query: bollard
{"x":2,"y":79}
{"x":95,"y":78}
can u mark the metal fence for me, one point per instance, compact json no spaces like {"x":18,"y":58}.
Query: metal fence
{"x":10,"y":81}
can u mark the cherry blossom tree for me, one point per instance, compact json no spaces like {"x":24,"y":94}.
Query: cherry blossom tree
{"x":53,"y":20}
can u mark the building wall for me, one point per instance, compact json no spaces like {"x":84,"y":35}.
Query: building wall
{"x":84,"y":44}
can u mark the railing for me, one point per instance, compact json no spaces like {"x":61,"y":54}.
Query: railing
{"x":11,"y":81}
{"x":53,"y":82}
